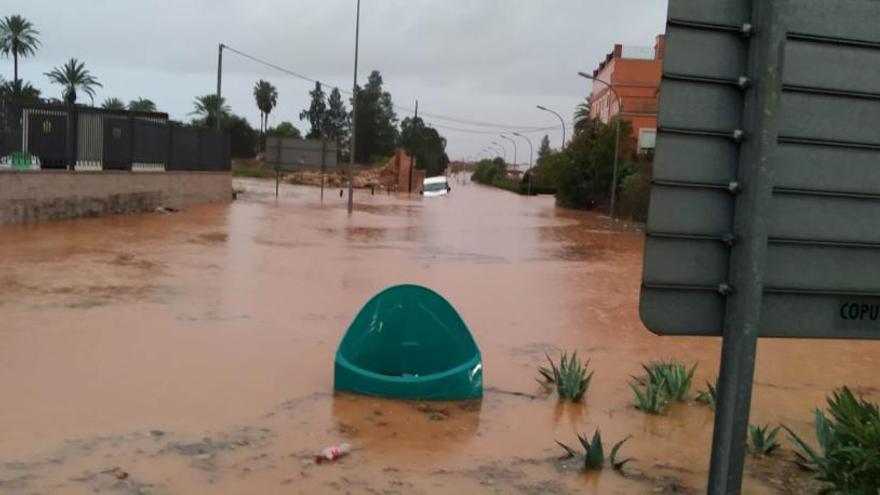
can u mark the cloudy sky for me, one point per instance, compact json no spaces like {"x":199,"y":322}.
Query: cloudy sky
{"x":467,"y":62}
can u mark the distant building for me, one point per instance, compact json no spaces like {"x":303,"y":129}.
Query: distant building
{"x":634,"y":72}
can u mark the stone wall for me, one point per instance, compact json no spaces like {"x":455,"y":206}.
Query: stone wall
{"x":27,"y":196}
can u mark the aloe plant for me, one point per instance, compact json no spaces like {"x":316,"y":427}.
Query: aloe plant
{"x":708,"y":396}
{"x":762,"y":441}
{"x":677,"y":378}
{"x":650,"y":395}
{"x":594,"y":452}
{"x":571,"y":378}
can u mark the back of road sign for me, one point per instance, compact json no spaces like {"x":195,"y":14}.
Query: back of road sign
{"x":821,"y":269}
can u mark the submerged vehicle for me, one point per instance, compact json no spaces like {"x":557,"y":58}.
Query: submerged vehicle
{"x":435,"y":186}
{"x":409,"y":342}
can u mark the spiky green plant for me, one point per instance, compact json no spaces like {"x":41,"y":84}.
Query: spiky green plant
{"x":676,"y":377}
{"x":708,"y":396}
{"x":848,"y":455}
{"x":650,"y":395}
{"x":594,"y":452}
{"x":571,"y":378}
{"x":762,"y":441}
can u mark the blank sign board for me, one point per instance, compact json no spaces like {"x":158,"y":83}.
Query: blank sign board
{"x":294,"y":154}
{"x":822,"y":264}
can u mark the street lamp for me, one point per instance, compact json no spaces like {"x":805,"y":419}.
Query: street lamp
{"x":514,"y":148}
{"x":531,"y":159}
{"x":539,"y":107}
{"x":503,"y":149}
{"x":354,"y":88}
{"x":616,"y":138}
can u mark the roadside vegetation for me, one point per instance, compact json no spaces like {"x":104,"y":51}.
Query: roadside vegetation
{"x":847,"y":457}
{"x":662,"y":383}
{"x":571,"y":378}
{"x":762,"y":440}
{"x":581,"y":173}
{"x":594,"y":453}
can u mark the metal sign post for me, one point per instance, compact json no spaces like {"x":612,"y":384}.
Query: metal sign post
{"x":766,"y":191}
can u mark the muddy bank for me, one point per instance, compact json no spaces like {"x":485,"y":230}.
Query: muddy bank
{"x":193,"y":352}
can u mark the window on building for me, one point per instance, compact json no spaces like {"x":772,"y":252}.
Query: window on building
{"x":647,"y":139}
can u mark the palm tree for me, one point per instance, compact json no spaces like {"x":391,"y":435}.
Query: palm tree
{"x":113,"y":104}
{"x":208,"y":107}
{"x":267,"y":97}
{"x":73,"y":75}
{"x":582,"y":116}
{"x":142,"y":105}
{"x":19,"y":38}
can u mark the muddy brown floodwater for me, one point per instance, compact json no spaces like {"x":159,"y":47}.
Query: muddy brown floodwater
{"x":192,"y":353}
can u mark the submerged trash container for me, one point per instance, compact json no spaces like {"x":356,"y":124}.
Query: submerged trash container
{"x":408,"y":342}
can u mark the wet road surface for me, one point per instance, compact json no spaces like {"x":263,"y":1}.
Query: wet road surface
{"x":194,"y":351}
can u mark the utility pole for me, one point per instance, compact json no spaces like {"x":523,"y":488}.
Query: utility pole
{"x":219,"y":80}
{"x":413,"y":164}
{"x":357,"y":29}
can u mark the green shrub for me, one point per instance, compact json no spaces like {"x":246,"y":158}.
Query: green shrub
{"x":594,"y":452}
{"x":761,"y":441}
{"x":848,"y":455}
{"x":635,"y":194}
{"x":255,"y":172}
{"x":571,"y":378}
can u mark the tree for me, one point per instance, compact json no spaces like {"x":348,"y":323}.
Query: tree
{"x":337,"y":120}
{"x":425,"y":144}
{"x":582,"y":115}
{"x":316,"y":114}
{"x":142,"y":105}
{"x":376,"y":121}
{"x":242,"y":137}
{"x":284,"y":129}
{"x":544,"y":150}
{"x":18,"y":38}
{"x":266,"y":97}
{"x":113,"y":104}
{"x":20,"y":90}
{"x":208,"y":107}
{"x":583,"y":171}
{"x":74,"y":76}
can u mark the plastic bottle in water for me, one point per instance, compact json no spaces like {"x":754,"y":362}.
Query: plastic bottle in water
{"x":332,"y":453}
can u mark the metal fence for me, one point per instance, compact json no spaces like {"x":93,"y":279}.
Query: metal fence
{"x":57,"y":136}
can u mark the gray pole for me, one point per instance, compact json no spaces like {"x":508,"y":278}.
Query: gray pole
{"x":561,"y":120}
{"x":357,"y":29}
{"x":616,"y":154}
{"x":531,"y":159}
{"x":514,"y":149}
{"x":743,"y":309}
{"x":616,"y":139}
{"x":219,"y":80}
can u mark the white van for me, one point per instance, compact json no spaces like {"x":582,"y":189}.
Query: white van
{"x":435,"y":186}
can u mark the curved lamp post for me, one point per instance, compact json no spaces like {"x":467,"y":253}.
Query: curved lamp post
{"x":503,"y":149}
{"x":561,"y":120}
{"x":616,"y":139}
{"x":531,"y":159}
{"x":514,"y":148}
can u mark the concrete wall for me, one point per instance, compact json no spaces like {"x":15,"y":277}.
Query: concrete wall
{"x":27,"y":196}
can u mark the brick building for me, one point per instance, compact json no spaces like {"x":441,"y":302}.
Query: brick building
{"x":634,"y":72}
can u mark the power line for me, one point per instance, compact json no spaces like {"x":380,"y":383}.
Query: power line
{"x":498,"y":127}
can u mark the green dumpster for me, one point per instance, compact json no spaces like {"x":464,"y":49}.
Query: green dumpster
{"x":408,"y":342}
